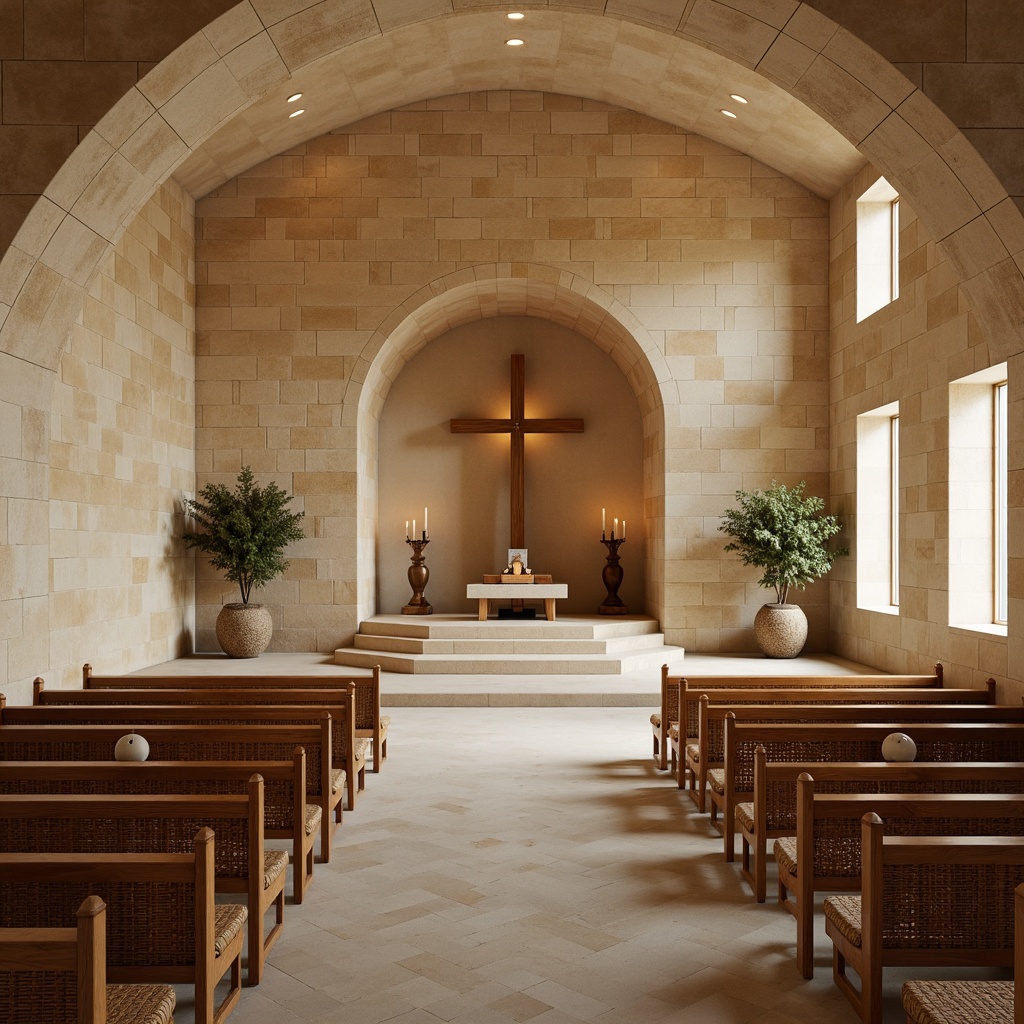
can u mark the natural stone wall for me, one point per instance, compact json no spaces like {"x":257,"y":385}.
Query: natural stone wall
{"x":122,"y":456}
{"x":909,"y":351}
{"x":721,"y":260}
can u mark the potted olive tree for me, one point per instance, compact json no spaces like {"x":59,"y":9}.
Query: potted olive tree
{"x":785,"y":535}
{"x":244,"y":532}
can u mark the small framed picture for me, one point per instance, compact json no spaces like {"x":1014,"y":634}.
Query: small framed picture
{"x":521,"y":552}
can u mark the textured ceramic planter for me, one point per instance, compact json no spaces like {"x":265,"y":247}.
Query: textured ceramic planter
{"x":780,"y":630}
{"x":244,"y":630}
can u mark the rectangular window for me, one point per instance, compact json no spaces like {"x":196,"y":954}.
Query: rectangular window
{"x":878,"y":248}
{"x":1000,"y":503}
{"x":878,"y":509}
{"x":894,"y":510}
{"x":978,"y":562}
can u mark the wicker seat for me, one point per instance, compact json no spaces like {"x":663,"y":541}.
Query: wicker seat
{"x":925,"y":901}
{"x":958,"y":1002}
{"x":275,"y":863}
{"x":66,"y":982}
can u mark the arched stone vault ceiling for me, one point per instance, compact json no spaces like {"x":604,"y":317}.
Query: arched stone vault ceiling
{"x":508,"y":290}
{"x":218,"y":99}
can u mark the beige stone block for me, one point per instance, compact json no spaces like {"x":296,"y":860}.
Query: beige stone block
{"x":321,"y":29}
{"x":729,"y":31}
{"x":179,"y":69}
{"x":237,"y":25}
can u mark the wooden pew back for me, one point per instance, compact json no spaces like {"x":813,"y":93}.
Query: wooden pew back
{"x":929,"y":900}
{"x":60,"y":974}
{"x":369,"y":722}
{"x":162,"y":916}
{"x":284,"y":790}
{"x":347,"y":751}
{"x":167,"y":823}
{"x":835,"y":741}
{"x":191,"y":743}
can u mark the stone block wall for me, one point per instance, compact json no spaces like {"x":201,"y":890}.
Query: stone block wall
{"x":122,"y":456}
{"x":721,"y":260}
{"x":909,"y":352}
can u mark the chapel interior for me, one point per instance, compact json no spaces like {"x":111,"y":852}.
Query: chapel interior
{"x":305,"y":235}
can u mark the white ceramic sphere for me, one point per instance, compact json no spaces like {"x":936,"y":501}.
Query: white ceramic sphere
{"x":898,"y":746}
{"x":131,"y":747}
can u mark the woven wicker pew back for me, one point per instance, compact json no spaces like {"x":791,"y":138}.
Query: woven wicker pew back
{"x":836,"y":741}
{"x":937,"y":901}
{"x":348,"y":753}
{"x":772,"y":811}
{"x":163,"y":922}
{"x":286,"y":815}
{"x":370,"y":723}
{"x":166,"y":823}
{"x":675,"y":712}
{"x":229,"y":742}
{"x":824,"y":855}
{"x":706,"y":748}
{"x":58,"y":975}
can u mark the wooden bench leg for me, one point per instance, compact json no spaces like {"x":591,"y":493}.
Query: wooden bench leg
{"x":549,"y":609}
{"x":482,"y":611}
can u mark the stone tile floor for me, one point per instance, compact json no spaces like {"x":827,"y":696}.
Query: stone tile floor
{"x":530,"y":864}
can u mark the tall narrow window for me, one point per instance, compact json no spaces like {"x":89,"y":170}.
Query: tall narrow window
{"x":878,"y":509}
{"x":1000,"y":503}
{"x":878,"y":248}
{"x":894,"y":510}
{"x":978,"y":501}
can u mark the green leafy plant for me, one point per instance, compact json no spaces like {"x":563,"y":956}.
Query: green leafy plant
{"x":783,"y":533}
{"x":244,"y":531}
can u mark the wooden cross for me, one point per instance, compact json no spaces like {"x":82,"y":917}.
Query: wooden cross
{"x":517,"y":426}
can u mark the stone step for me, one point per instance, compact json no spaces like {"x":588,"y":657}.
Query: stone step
{"x":449,"y":627}
{"x":505,"y":664}
{"x":515,"y":647}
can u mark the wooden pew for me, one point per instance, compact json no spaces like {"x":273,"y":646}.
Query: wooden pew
{"x":952,"y":1002}
{"x":925,"y":901}
{"x":194,"y":743}
{"x":713,"y":718}
{"x":370,"y":723}
{"x":824,"y":855}
{"x":122,"y":823}
{"x":286,"y":814}
{"x":704,"y":749}
{"x":61,"y":973}
{"x":163,"y":922}
{"x":348,"y":752}
{"x":664,"y":718}
{"x":772,"y":811}
{"x":855,"y":741}
{"x":673,"y":710}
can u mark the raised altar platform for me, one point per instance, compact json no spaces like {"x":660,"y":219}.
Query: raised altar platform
{"x":462,"y":644}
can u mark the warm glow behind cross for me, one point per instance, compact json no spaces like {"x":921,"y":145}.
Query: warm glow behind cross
{"x":517,"y":426}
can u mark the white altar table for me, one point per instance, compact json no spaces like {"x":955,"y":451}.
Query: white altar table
{"x":546,"y":592}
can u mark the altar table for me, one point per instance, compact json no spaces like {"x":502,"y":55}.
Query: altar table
{"x":546,"y":592}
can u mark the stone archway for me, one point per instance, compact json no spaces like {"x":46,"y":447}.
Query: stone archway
{"x":213,"y":107}
{"x":495,"y":290}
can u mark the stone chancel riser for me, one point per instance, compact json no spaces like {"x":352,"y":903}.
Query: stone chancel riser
{"x":454,"y":645}
{"x":517,"y":646}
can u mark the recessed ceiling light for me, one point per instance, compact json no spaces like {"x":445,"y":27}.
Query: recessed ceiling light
{"x":294,"y":96}
{"x":728,"y":113}
{"x":515,"y":16}
{"x":513,"y":42}
{"x":295,"y":113}
{"x":737,"y":97}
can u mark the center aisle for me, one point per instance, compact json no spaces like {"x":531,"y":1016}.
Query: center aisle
{"x":529,"y":864}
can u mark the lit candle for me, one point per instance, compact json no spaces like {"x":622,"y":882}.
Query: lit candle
{"x":414,"y":528}
{"x":615,"y":526}
{"x":407,"y":529}
{"x":602,"y":524}
{"x":425,"y":522}
{"x":623,"y":529}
